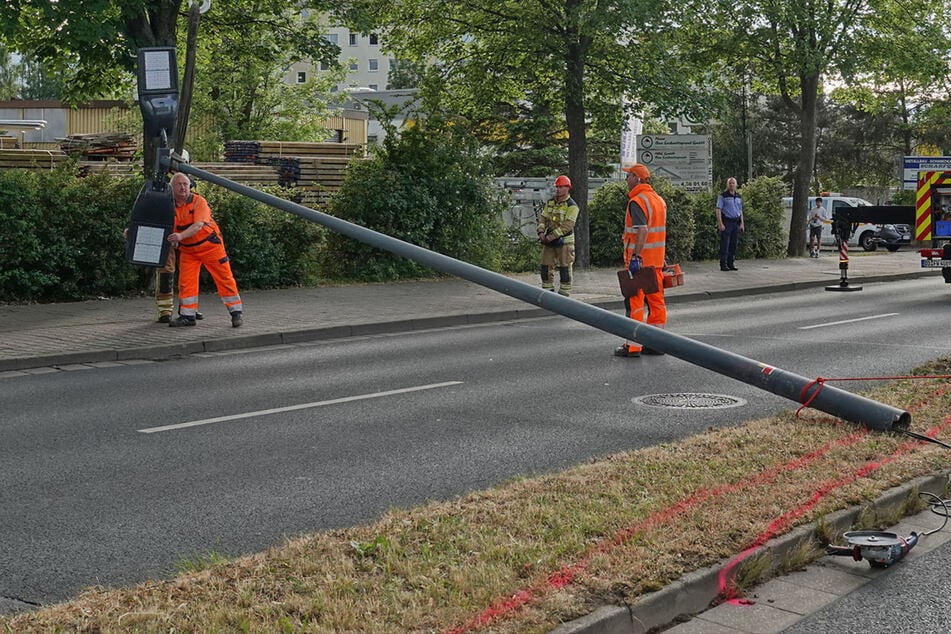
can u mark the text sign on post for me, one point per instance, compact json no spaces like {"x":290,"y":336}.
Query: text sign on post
{"x":686,"y":160}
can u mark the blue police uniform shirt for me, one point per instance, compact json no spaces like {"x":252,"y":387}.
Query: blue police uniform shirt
{"x":730,"y":205}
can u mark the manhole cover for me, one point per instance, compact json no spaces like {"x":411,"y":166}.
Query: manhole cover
{"x":689,"y":400}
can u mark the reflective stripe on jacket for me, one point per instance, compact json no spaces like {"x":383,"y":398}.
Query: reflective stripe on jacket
{"x":655,"y":210}
{"x":558,"y":219}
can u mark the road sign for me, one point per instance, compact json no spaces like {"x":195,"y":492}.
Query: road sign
{"x":911,"y":165}
{"x":685,"y":159}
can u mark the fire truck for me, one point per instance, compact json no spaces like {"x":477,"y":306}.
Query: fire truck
{"x":933,"y":220}
{"x":930,"y":216}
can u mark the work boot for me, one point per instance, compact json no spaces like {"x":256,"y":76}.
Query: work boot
{"x":624,"y":351}
{"x":236,"y":320}
{"x":164,"y":318}
{"x":182,"y":321}
{"x":199,"y":316}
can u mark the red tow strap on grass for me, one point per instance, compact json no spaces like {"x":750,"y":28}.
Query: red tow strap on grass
{"x":821,"y":381}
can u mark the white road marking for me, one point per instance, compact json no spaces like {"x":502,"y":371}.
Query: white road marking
{"x":848,"y":321}
{"x":291,"y":408}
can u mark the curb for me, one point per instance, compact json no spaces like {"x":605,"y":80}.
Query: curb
{"x":696,"y":591}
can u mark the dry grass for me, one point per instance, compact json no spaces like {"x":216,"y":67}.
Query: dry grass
{"x":535,"y":552}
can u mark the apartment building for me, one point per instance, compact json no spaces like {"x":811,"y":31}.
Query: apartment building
{"x":367,"y":66}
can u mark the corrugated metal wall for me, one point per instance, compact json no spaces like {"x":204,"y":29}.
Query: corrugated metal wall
{"x":105,"y":117}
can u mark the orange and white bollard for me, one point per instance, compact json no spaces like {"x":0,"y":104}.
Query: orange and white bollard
{"x":843,"y":269}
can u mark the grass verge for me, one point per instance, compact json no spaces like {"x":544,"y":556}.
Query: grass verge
{"x":535,"y":552}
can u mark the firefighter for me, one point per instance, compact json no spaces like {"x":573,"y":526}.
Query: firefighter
{"x":556,"y":226}
{"x":644,"y":238}
{"x":199,"y":243}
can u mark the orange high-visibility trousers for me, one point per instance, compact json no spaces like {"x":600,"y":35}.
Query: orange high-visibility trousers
{"x":656,"y":307}
{"x":210,"y":254}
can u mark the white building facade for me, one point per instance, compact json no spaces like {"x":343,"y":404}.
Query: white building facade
{"x":360,"y":54}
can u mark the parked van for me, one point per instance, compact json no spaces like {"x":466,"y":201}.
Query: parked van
{"x":863,"y":235}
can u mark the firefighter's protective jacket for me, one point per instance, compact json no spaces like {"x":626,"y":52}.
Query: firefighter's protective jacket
{"x":557,"y":220}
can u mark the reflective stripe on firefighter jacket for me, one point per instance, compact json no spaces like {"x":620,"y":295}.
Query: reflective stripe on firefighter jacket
{"x":207,"y":249}
{"x":558,"y":219}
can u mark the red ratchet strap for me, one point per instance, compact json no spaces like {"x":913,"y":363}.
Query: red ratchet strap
{"x":820,"y":381}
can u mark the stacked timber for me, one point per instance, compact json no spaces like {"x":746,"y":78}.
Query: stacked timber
{"x":318,"y":169}
{"x":100,"y":147}
{"x":30,"y":159}
{"x":242,"y":172}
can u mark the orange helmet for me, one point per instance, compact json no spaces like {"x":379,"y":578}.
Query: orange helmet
{"x":563,"y":181}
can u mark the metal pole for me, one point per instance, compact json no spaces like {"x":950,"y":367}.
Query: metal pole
{"x":834,"y":401}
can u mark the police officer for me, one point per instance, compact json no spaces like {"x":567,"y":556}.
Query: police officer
{"x":729,"y":224}
{"x":556,"y":226}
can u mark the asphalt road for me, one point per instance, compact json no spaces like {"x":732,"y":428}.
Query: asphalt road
{"x":97,"y":489}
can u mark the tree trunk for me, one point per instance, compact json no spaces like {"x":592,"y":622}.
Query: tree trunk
{"x":807,"y":161}
{"x":577,"y":46}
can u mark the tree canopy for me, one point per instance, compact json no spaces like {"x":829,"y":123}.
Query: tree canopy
{"x":533,"y":75}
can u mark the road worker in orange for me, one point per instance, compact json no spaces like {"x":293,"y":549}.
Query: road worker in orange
{"x":556,"y":232}
{"x":645,"y":237}
{"x":199,"y":243}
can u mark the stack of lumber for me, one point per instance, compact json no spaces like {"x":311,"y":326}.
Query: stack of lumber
{"x":92,"y":147}
{"x":316,"y":168}
{"x":242,"y":151}
{"x":30,"y":159}
{"x":242,"y":172}
{"x":262,"y":152}
{"x":7,"y":141}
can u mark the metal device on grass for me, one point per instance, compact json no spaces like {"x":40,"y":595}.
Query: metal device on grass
{"x":882,"y":549}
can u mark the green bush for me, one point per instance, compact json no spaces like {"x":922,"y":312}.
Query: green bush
{"x":706,"y":243}
{"x":762,"y":217}
{"x":607,"y":211}
{"x":61,"y":238}
{"x":62,"y":235}
{"x":268,"y":247}
{"x":522,"y":253}
{"x":426,"y":186}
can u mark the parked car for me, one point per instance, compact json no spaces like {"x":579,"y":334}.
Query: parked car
{"x":892,"y":237}
{"x":863,"y":235}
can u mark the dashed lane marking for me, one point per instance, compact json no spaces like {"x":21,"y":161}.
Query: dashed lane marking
{"x":292,"y":408}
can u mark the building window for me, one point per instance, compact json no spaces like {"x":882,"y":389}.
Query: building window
{"x":353,"y":39}
{"x":374,"y":64}
{"x":373,"y":87}
{"x":334,"y":89}
{"x":324,"y":66}
{"x":374,"y":39}
{"x":354,"y":65}
{"x":301,"y":77}
{"x":331,"y":37}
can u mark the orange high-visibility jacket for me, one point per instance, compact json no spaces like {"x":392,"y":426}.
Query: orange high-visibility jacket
{"x":196,"y":209}
{"x":655,"y":210}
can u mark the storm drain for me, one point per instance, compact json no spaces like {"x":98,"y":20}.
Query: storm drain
{"x":689,"y":400}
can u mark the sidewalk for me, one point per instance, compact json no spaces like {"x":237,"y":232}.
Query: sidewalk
{"x":117,"y":330}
